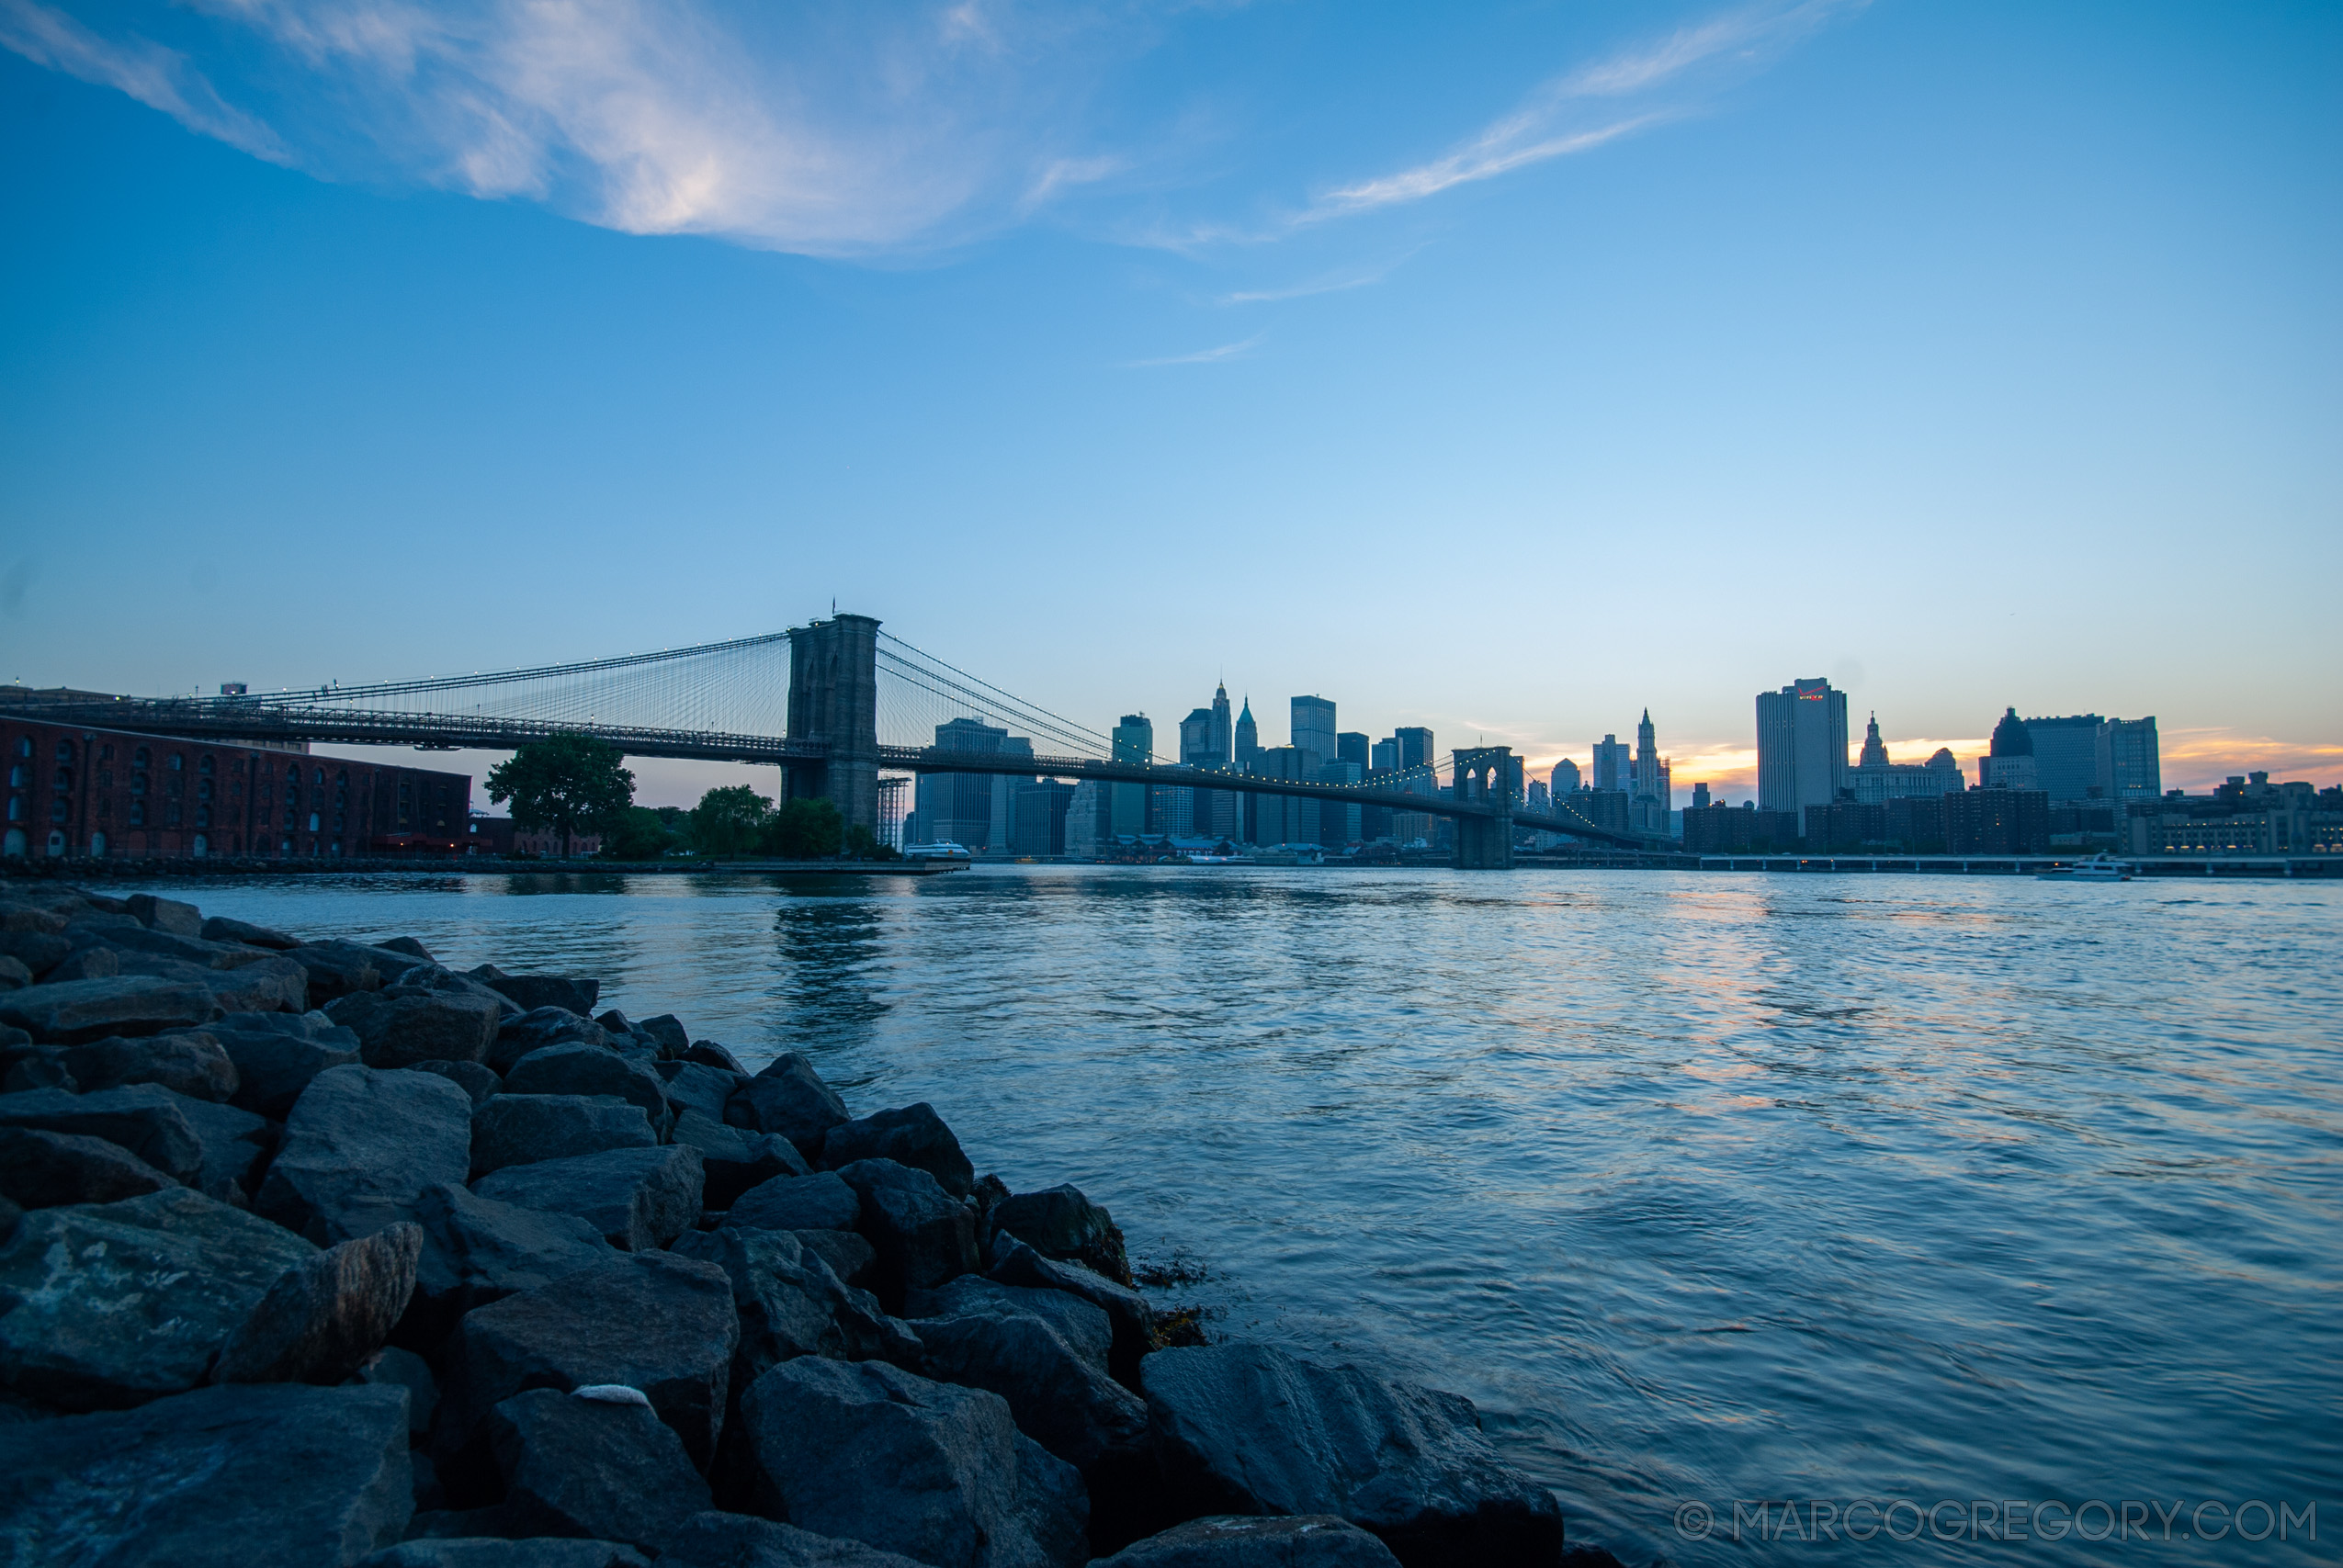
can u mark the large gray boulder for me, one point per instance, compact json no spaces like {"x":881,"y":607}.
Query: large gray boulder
{"x":269,"y":983}
{"x":78,"y":1010}
{"x":541,"y":1027}
{"x":1132,"y":1320}
{"x":1251,"y":1429}
{"x":521,"y":1129}
{"x":578,"y":1068}
{"x":399,"y":1028}
{"x":108,"y":1305}
{"x":914,"y":1135}
{"x":236,"y":1146}
{"x":638,"y":1199}
{"x":189,"y":1064}
{"x":695,"y":1085}
{"x":493,"y":1552}
{"x":789,"y":1098}
{"x":734,"y":1159}
{"x":1232,"y":1540}
{"x":361,"y":1143}
{"x":475,"y":1079}
{"x":146,"y":1118}
{"x":1061,"y":1400}
{"x":477,"y":1250}
{"x":221,"y":928}
{"x":605,"y":1469}
{"x":743,"y":1540}
{"x":571,"y":993}
{"x":654,"y":1322}
{"x":277,"y":1054}
{"x":923,"y":1236}
{"x":325,"y":1316}
{"x":48,"y":1170}
{"x":38,"y":952}
{"x":165,"y":914}
{"x":272,"y":1476}
{"x":818,"y":1202}
{"x":850,"y":1258}
{"x":1061,"y":1222}
{"x":1083,"y":1325}
{"x":869,"y":1452}
{"x":337,"y":969}
{"x":791,"y":1304}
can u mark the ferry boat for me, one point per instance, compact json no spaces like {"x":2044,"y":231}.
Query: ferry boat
{"x":941,"y":850}
{"x":2099,"y":868}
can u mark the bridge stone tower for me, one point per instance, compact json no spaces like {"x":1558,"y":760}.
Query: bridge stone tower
{"x":1486,"y":775}
{"x":833,"y":702}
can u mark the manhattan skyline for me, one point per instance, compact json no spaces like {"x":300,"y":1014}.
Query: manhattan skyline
{"x":1505,"y":374}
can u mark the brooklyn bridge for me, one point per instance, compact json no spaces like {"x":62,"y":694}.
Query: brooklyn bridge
{"x":834,"y":704}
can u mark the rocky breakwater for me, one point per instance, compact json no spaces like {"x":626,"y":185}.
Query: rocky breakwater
{"x":327,"y":1253}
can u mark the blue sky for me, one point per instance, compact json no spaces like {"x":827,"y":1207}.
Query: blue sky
{"x":1508,"y":369}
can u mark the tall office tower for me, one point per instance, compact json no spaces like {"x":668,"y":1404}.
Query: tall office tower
{"x":1650,"y":795}
{"x":2008,"y":761}
{"x":1248,"y":741}
{"x":1203,"y":743}
{"x":958,"y":807}
{"x":2067,"y":755}
{"x":1313,"y":729}
{"x":1802,"y":747}
{"x":1134,"y":742}
{"x":2128,"y":765}
{"x":1613,"y":769}
{"x":1413,"y":756}
{"x":1223,"y":735}
{"x":1541,"y":799}
{"x":1383,"y":757}
{"x":1415,"y":751}
{"x":1338,"y":824}
{"x":1700,"y":796}
{"x":1565,"y":777}
{"x":1352,"y":747}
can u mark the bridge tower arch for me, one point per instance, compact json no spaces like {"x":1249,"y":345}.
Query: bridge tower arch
{"x":834,"y":702}
{"x":1484,"y":776}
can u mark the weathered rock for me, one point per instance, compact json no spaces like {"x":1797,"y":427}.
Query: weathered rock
{"x":109,"y":1305}
{"x":325,"y":1314}
{"x":236,"y":1144}
{"x":1231,"y":1541}
{"x":818,"y":1201}
{"x":410,"y":1371}
{"x":477,"y":1250}
{"x":75,"y":1010}
{"x":145,"y":1119}
{"x":542,"y":1027}
{"x":1250,"y":1429}
{"x":923,"y":1234}
{"x":277,"y":1476}
{"x":638,"y":1199}
{"x":489,"y":1552}
{"x":85,"y":963}
{"x":1061,"y":1222}
{"x":1127,"y":1309}
{"x":398,"y":1029}
{"x":743,"y":1540}
{"x":472,"y":1078}
{"x":432,"y":979}
{"x":1083,"y":1325}
{"x":869,"y":1452}
{"x":360,"y":1145}
{"x":571,"y":993}
{"x":914,"y":1136}
{"x":38,"y":952}
{"x":14,"y":975}
{"x":1061,"y":1399}
{"x":29,"y":915}
{"x":277,"y":1054}
{"x":337,"y":969}
{"x":194,"y":1064}
{"x":668,"y":1030}
{"x":849,"y":1255}
{"x":48,"y":1170}
{"x":578,"y":1068}
{"x":165,"y":914}
{"x":789,"y":1098}
{"x":220,"y":928}
{"x":708,"y":1053}
{"x":693,"y":1086}
{"x":735,"y":1159}
{"x":269,"y":983}
{"x":135,"y":942}
{"x":408,"y":945}
{"x":654,"y":1322}
{"x":791,"y":1304}
{"x":591,"y":1468}
{"x":521,"y":1129}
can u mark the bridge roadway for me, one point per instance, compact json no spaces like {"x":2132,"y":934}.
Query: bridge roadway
{"x":254,"y":720}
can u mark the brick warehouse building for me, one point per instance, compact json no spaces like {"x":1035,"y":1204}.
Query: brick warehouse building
{"x":110,"y":794}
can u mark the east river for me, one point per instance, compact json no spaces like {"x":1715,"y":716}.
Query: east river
{"x":1777,"y":1191}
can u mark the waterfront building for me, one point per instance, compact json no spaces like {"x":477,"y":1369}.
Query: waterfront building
{"x":1565,"y":779}
{"x":1650,"y":795}
{"x":501,"y":836}
{"x":1087,"y":829}
{"x":1802,"y":746}
{"x":1719,"y":828}
{"x":1412,"y":749}
{"x":74,"y":791}
{"x":1134,"y":742}
{"x":973,"y":810}
{"x":1281,"y":820}
{"x":1614,"y":766}
{"x":2247,"y":815}
{"x":1040,"y":818}
{"x":2067,"y":756}
{"x":2128,"y":766}
{"x":1876,"y":781}
{"x":2008,"y":761}
{"x":1338,"y":826}
{"x":1997,"y":820}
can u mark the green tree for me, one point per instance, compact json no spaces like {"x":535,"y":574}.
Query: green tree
{"x":567,"y":783}
{"x":804,"y":829}
{"x":644,"y":837}
{"x":730,"y":821}
{"x":863,"y":844}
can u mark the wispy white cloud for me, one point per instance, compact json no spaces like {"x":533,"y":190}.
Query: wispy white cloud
{"x":1331,"y":283}
{"x":158,"y":77}
{"x":1203,"y":356}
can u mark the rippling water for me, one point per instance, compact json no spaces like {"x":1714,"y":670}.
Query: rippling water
{"x":1705,"y":1187}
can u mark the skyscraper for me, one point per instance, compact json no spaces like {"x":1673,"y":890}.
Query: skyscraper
{"x":1876,"y":781}
{"x":1611,"y":765}
{"x":1248,"y":737}
{"x":2008,"y":761}
{"x":1802,"y":747}
{"x":1650,"y":796}
{"x":1134,"y":742}
{"x":1352,"y":747}
{"x":1223,"y":735}
{"x":2067,"y":755}
{"x":1313,"y":730}
{"x":974,"y":810}
{"x":2129,"y":768}
{"x":1565,"y":777}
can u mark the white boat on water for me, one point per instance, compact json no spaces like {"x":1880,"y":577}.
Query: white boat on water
{"x":2099,"y":868}
{"x":941,"y":850}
